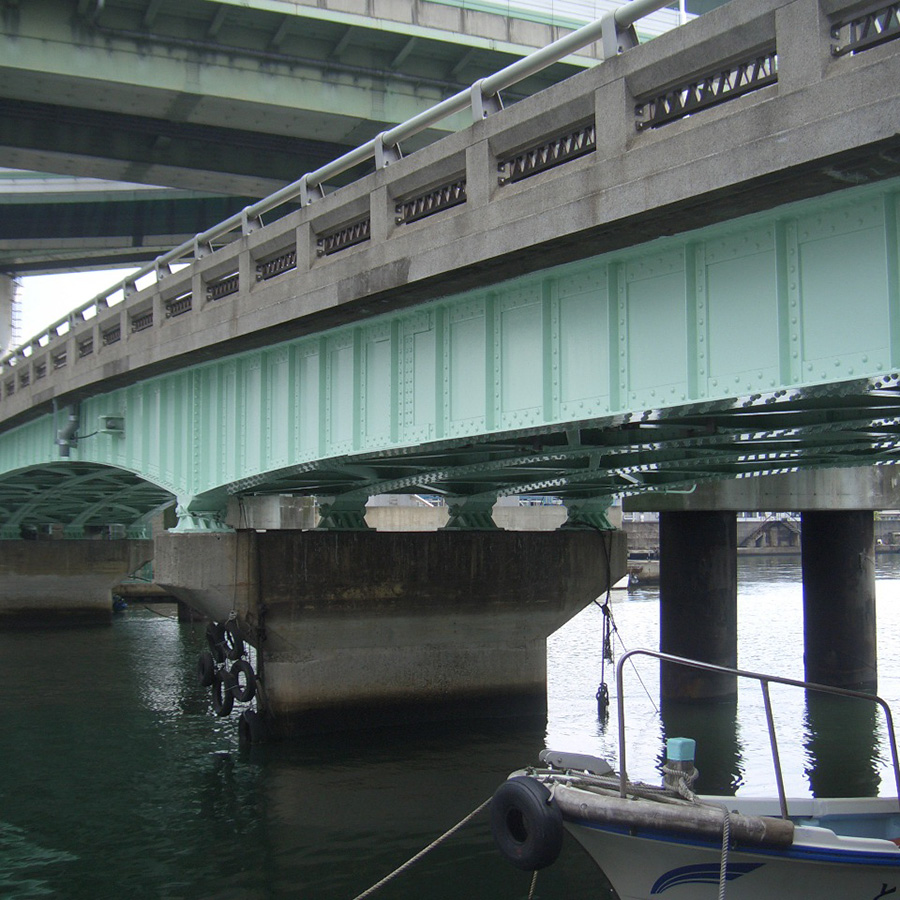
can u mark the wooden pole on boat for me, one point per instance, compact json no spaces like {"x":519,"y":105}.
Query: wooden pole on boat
{"x":679,"y":818}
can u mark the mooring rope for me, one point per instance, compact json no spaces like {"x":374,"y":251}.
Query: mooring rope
{"x":723,"y":860}
{"x":414,"y":859}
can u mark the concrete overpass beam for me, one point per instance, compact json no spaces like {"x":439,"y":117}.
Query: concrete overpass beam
{"x":698,"y":602}
{"x":364,"y":628}
{"x":838,"y":553}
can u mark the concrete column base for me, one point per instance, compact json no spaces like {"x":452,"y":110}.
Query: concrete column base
{"x":57,"y":583}
{"x":698,"y":602}
{"x":371,"y":628}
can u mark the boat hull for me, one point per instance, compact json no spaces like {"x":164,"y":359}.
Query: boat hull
{"x":818,"y":866}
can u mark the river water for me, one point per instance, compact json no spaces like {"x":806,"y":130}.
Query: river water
{"x":117,"y":781}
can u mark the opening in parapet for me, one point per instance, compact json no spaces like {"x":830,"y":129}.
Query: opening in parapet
{"x":573,"y":143}
{"x":710,"y":89}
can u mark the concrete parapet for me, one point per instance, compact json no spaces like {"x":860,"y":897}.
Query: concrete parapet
{"x":369,"y":627}
{"x":64,"y":582}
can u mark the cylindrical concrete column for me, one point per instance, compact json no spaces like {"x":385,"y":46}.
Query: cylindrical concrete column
{"x":839,"y":598}
{"x":698,"y":601}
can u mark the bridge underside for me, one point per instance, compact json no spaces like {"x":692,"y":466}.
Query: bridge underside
{"x":849,"y":424}
{"x":78,"y":497}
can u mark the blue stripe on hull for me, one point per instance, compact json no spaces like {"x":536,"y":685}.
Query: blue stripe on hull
{"x":799,"y":854}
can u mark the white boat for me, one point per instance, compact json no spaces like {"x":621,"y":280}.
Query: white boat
{"x":665,"y":841}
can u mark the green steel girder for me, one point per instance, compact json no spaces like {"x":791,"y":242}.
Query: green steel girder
{"x":763,"y":345}
{"x":76,"y":495}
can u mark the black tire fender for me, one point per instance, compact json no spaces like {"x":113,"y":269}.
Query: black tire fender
{"x":246,"y":693}
{"x":234,"y":642}
{"x":206,"y":669}
{"x":527,"y":826}
{"x":223,"y":693}
{"x":215,"y":637}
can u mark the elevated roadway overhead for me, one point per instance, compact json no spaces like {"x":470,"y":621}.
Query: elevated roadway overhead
{"x":62,"y":223}
{"x":229,"y":99}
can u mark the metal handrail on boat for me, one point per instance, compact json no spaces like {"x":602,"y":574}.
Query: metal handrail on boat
{"x":764,"y":682}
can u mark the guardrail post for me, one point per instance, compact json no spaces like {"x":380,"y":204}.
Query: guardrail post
{"x":481,"y":173}
{"x":246,"y":269}
{"x":306,"y":247}
{"x":198,"y":289}
{"x":613,"y":119}
{"x":381,"y":214}
{"x":803,"y":42}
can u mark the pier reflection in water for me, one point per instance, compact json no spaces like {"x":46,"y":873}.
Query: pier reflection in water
{"x":117,"y":781}
{"x":826,"y":748}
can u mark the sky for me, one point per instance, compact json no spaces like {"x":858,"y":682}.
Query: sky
{"x":45,"y":299}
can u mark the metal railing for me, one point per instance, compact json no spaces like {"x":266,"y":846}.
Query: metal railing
{"x":764,"y":682}
{"x":614,"y":29}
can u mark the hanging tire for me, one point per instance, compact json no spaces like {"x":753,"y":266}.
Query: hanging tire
{"x":206,"y":669}
{"x":252,"y":727}
{"x":245,"y":693}
{"x":527,"y":827}
{"x":234,"y":643}
{"x":223,"y":693}
{"x":215,"y":637}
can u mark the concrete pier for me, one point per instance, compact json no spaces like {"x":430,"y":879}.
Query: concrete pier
{"x":698,"y":602}
{"x":62,"y":582}
{"x":363,"y":628}
{"x":838,"y":558}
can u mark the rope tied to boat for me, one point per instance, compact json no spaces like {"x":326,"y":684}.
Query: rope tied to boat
{"x":423,"y":852}
{"x":681,"y":781}
{"x":723,"y":858}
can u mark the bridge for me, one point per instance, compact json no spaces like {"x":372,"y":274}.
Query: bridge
{"x":680,"y":265}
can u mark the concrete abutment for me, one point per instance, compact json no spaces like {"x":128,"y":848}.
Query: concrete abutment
{"x":64,"y":582}
{"x":367,"y":628}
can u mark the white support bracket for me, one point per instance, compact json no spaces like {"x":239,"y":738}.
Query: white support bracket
{"x":309,"y":193}
{"x":385,"y":154}
{"x":614,"y":40}
{"x":201,"y":248}
{"x":249,"y":223}
{"x":484,"y":105}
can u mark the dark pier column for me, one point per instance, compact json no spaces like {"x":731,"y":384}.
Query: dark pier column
{"x":698,"y":601}
{"x":839,"y":598}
